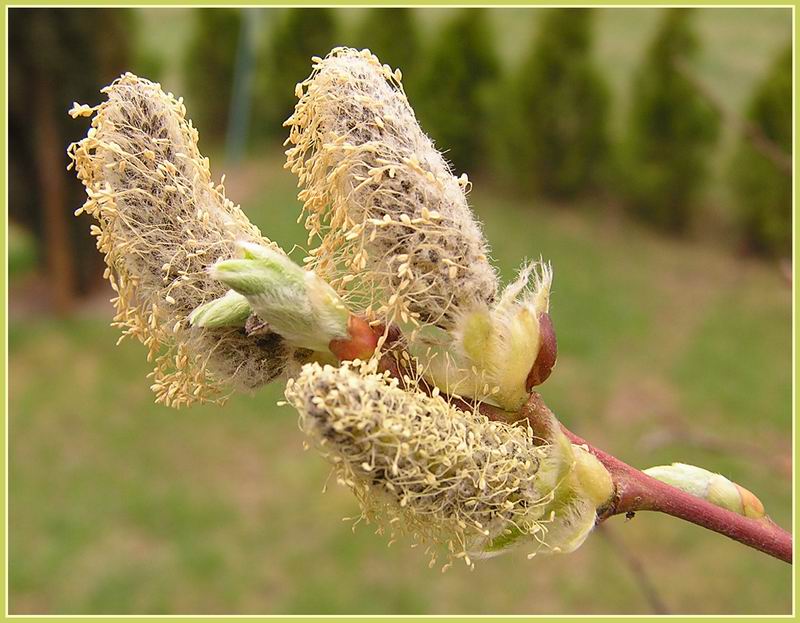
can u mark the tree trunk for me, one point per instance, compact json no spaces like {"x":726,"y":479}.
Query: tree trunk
{"x":50,"y":173}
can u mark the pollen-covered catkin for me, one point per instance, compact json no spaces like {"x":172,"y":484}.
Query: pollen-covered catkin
{"x":398,"y":239}
{"x":161,"y":222}
{"x":397,"y":235}
{"x":420,"y":466}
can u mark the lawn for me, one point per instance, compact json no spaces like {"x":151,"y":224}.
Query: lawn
{"x":668,"y":351}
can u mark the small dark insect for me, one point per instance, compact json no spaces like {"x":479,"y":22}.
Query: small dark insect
{"x":629,"y":515}
{"x":256,"y":327}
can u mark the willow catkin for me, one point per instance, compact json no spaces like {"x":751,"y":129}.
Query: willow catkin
{"x":161,"y":222}
{"x":418,"y":465}
{"x":393,"y":221}
{"x":397,"y":237}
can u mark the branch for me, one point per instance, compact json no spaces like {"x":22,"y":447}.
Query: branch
{"x":636,"y":491}
{"x":638,"y":570}
{"x":760,"y":141}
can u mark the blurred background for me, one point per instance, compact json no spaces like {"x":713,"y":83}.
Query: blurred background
{"x":645,"y":152}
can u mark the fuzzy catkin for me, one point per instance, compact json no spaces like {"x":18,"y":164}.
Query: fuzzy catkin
{"x":393,"y":221}
{"x":161,"y":222}
{"x":420,"y":466}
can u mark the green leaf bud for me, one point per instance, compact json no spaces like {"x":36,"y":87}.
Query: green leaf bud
{"x":495,"y":352}
{"x":709,"y":486}
{"x":295,"y":303}
{"x":230,"y":310}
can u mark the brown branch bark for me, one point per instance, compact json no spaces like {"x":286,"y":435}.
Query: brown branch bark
{"x":760,"y":141}
{"x":638,"y":570}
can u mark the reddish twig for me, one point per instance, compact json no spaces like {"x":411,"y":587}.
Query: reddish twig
{"x":636,"y":491}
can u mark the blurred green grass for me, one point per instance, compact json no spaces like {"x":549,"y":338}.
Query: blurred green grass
{"x":669,"y":351}
{"x":120,"y":506}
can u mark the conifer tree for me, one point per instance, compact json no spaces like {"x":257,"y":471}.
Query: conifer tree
{"x":297,"y":35}
{"x":672,"y":129}
{"x":454,"y":92}
{"x":209,"y":68}
{"x":561,"y":126}
{"x":391,"y":34}
{"x":764,"y":192}
{"x":58,"y":55}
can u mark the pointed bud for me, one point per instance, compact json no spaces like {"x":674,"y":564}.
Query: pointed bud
{"x":230,"y":310}
{"x":548,"y":352}
{"x":709,"y":486}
